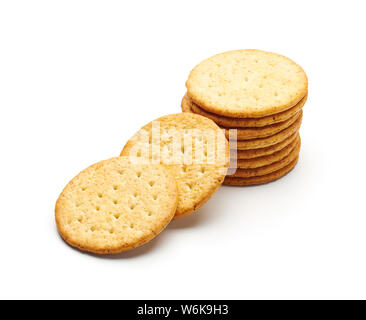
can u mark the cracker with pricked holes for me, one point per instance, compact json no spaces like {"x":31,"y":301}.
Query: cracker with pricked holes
{"x":115,"y":205}
{"x":199,"y":180}
{"x":247,"y":84}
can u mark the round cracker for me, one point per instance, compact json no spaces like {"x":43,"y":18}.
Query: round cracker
{"x":187,"y":105}
{"x":255,"y":153}
{"x":267,"y":160}
{"x":247,"y":84}
{"x":260,"y":171}
{"x":233,"y":181}
{"x":271,"y":140}
{"x":199,"y":180}
{"x":115,"y":205}
{"x":263,"y":132}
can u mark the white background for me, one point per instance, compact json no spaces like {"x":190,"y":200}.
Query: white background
{"x":78,"y":78}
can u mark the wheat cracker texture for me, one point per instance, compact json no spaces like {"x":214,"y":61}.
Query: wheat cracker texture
{"x":247,"y":84}
{"x":197,"y":180}
{"x":116,"y":205}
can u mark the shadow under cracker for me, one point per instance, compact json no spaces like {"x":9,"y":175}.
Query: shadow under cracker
{"x":129,"y":254}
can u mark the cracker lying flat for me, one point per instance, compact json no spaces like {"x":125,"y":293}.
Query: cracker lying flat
{"x":247,"y":84}
{"x":260,"y":171}
{"x":116,"y":205}
{"x":233,"y":181}
{"x":260,"y":152}
{"x":263,"y":132}
{"x":187,"y":105}
{"x":269,"y":159}
{"x":271,"y":140}
{"x":197,"y":178}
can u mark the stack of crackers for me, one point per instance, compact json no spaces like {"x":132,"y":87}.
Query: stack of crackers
{"x":260,"y":95}
{"x":174,"y":164}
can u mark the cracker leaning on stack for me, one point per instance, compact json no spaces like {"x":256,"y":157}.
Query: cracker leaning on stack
{"x":197,"y":180}
{"x":261,"y":95}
